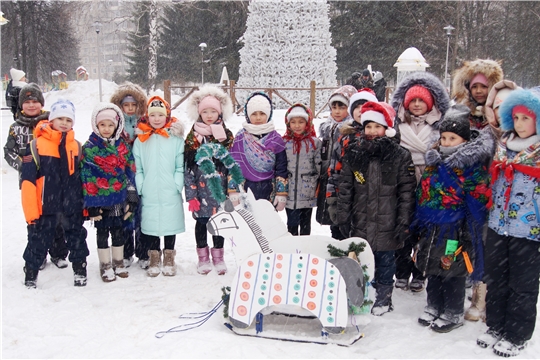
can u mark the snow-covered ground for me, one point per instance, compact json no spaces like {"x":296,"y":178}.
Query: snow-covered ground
{"x":120,"y":319}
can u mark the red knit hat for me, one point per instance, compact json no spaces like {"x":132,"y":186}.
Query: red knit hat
{"x":380,"y":114}
{"x":418,"y":91}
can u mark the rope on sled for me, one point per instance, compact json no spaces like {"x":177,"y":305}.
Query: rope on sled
{"x":201,"y":317}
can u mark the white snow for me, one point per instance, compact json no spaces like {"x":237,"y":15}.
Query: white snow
{"x":120,"y":319}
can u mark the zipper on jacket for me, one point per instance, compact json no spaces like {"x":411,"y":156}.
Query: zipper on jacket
{"x":296,"y":181}
{"x":429,"y":253}
{"x":72,"y":160}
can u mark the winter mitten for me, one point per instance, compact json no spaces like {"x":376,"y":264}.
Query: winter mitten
{"x":194,"y":205}
{"x":235,"y":198}
{"x":332,"y":208}
{"x":279,"y":202}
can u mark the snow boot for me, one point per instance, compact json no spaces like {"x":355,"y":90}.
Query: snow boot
{"x":118,"y":261}
{"x":383,"y":300}
{"x":203,"y":267}
{"x":79,"y":273}
{"x":143,"y":263}
{"x":155,"y":263}
{"x":416,"y":285}
{"x":428,"y":316}
{"x":477,"y":310}
{"x":217,"y":259}
{"x":169,"y":266}
{"x":105,"y":266}
{"x":507,"y":348}
{"x":59,"y":262}
{"x":488,"y":339}
{"x":402,"y":284}
{"x":30,"y":277}
{"x":447,"y":322}
{"x":128,"y":261}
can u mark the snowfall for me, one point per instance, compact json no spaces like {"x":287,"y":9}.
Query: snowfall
{"x":121,"y":319}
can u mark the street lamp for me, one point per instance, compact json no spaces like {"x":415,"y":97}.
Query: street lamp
{"x":97,"y":27}
{"x":202,"y":46}
{"x":448,"y":29}
{"x":110,"y":68}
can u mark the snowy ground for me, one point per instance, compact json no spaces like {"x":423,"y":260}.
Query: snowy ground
{"x":120,"y":319}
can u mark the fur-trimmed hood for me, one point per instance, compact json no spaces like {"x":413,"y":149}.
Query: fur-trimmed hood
{"x":441,"y":100}
{"x":102,"y":106}
{"x":460,"y":84}
{"x":209,"y":90}
{"x":524,"y":97}
{"x":478,"y":150}
{"x":130,"y":89}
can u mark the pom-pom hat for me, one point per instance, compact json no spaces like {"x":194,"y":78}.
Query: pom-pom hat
{"x":418,"y":91}
{"x":62,"y":108}
{"x":456,"y":120}
{"x":380,"y":114}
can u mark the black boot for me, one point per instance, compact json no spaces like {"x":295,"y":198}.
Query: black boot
{"x":79,"y":273}
{"x":30,"y":277}
{"x":383,"y":300}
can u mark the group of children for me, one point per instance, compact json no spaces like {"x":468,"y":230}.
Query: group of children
{"x":412,"y":178}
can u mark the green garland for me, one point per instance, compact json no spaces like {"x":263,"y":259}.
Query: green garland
{"x":226,"y":290}
{"x":357,"y":248}
{"x":203,"y":158}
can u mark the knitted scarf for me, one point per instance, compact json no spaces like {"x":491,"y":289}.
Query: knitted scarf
{"x":526,"y":161}
{"x":216,"y":130}
{"x":106,"y":170}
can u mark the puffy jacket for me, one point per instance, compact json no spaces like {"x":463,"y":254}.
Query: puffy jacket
{"x":376,"y":192}
{"x":56,"y":186}
{"x":160,"y":179}
{"x":303,"y":168}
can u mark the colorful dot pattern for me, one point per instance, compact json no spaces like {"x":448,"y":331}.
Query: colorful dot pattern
{"x":303,"y":280}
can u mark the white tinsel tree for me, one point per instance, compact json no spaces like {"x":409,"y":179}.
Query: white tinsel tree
{"x":287,"y":44}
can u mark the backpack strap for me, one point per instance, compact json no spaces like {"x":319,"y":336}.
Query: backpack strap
{"x":35,"y":153}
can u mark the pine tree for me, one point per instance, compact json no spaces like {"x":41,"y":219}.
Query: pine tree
{"x":288,"y":44}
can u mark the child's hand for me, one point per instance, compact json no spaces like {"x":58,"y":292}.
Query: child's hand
{"x":235,"y":198}
{"x":94,"y":213}
{"x":128,"y":210}
{"x":279,"y":202}
{"x":194,"y":205}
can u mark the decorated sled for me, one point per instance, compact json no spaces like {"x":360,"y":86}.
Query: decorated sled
{"x":281,"y":274}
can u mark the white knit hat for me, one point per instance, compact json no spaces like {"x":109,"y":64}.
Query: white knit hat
{"x":17,"y":75}
{"x":298,"y":111}
{"x":259,"y":103}
{"x":62,"y":108}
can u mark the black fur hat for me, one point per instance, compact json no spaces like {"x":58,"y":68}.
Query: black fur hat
{"x":31,"y":92}
{"x":456,"y":120}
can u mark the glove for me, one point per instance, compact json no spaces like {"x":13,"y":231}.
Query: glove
{"x":128,"y":210}
{"x":332,"y":209}
{"x":345,"y":230}
{"x":235,"y":198}
{"x":279,"y":202}
{"x":94,"y":213}
{"x":194,"y":205}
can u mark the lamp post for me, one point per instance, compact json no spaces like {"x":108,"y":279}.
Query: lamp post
{"x":110,"y":68}
{"x":97,"y":27}
{"x":202,"y":46}
{"x":448,"y":29}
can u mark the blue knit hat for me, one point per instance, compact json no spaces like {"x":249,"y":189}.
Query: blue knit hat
{"x":62,"y":108}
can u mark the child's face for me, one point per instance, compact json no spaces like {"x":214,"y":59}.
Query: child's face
{"x":106,"y":128}
{"x":258,"y":118}
{"x":339,"y":111}
{"x":357,"y":113}
{"x":209,"y":116}
{"x":157,"y":120}
{"x":298,"y":125}
{"x":374,"y":129}
{"x":479,"y":93}
{"x":417,"y":107}
{"x":31,"y":108}
{"x":129,"y":108}
{"x":62,"y":124}
{"x":524,"y":125}
{"x":449,"y":139}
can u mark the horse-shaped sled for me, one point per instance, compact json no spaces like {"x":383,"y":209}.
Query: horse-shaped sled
{"x":285,"y":274}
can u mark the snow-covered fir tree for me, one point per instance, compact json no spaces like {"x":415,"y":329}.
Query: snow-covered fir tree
{"x":287,"y":44}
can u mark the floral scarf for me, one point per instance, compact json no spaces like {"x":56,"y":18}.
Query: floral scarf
{"x":106,"y":170}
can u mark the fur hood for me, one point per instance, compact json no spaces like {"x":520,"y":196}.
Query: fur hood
{"x":209,"y":90}
{"x":103,"y":106}
{"x":480,"y":148}
{"x":527,"y":98}
{"x":130,"y":89}
{"x":460,"y":84}
{"x":441,"y":100}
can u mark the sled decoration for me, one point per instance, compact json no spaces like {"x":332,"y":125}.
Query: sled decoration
{"x":301,"y":280}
